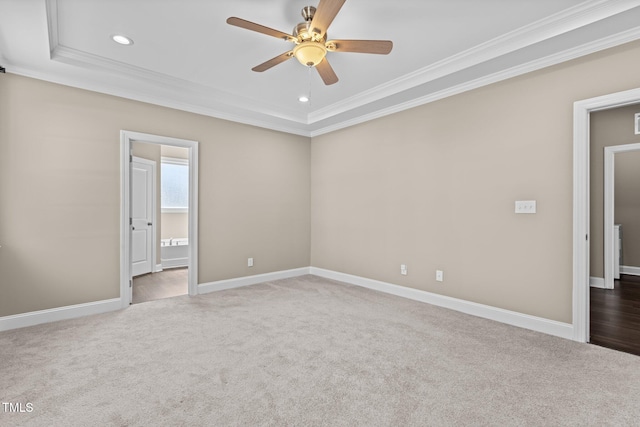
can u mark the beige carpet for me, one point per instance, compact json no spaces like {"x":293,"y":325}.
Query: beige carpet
{"x":305,"y":352}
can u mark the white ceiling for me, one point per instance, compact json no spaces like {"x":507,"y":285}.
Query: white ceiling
{"x":185,"y":56}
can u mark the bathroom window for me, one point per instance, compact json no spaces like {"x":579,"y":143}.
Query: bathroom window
{"x":174,"y":181}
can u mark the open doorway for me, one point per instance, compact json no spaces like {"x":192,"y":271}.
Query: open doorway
{"x":159,"y":221}
{"x":160,"y":213}
{"x":582,"y":217}
{"x":614,"y":316}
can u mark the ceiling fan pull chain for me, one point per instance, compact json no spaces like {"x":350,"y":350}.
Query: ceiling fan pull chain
{"x":309,"y":81}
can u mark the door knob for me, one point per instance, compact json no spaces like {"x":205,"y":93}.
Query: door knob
{"x":149,"y":224}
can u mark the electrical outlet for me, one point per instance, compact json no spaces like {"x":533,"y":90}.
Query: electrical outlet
{"x":250,"y":262}
{"x":403,"y":269}
{"x":439,"y":276}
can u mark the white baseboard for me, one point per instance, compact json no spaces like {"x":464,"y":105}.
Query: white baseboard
{"x":158,"y":268}
{"x":221,"y":285}
{"x":72,"y":311}
{"x":174,"y":263}
{"x":539,"y":324}
{"x":596,"y":282}
{"x":551,"y":327}
{"x":626,"y":269}
{"x":60,"y":313}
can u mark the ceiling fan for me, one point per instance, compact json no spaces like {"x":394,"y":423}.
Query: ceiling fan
{"x":310,"y":38}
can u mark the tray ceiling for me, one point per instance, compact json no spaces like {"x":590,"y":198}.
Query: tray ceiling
{"x":185,"y":56}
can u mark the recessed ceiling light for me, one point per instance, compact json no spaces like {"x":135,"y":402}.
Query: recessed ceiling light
{"x":303,"y":99}
{"x":118,"y":38}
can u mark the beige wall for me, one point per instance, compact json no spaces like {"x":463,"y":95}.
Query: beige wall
{"x":175,"y":225}
{"x":60,"y":193}
{"x":627,"y":205}
{"x":434,"y":188}
{"x":175,"y":152}
{"x":610,"y":127}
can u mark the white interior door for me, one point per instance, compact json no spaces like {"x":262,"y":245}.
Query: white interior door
{"x":142,"y":216}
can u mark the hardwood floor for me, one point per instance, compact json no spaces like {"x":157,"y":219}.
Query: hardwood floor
{"x":615,"y":315}
{"x":165,"y":284}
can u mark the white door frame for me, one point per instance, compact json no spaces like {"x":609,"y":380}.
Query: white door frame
{"x":126,"y":139}
{"x":154,"y":218}
{"x":581,"y":113}
{"x":609,"y":208}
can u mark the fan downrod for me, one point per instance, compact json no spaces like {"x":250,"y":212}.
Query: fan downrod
{"x":308,"y":12}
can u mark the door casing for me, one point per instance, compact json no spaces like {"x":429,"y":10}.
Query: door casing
{"x":581,"y":201}
{"x":126,"y":139}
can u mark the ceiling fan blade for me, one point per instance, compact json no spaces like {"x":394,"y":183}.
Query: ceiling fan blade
{"x":381,"y":47}
{"x":324,"y":15}
{"x":248,"y":25}
{"x":329,"y":76}
{"x":273,"y":62}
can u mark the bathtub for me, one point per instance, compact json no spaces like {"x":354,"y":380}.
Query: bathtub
{"x":174,"y":252}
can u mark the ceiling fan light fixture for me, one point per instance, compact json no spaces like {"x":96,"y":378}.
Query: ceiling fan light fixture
{"x":310,"y":39}
{"x":310,"y":53}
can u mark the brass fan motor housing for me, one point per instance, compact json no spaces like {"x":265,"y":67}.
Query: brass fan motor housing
{"x":303,"y":31}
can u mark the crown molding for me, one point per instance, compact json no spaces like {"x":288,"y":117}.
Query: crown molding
{"x":61,"y":53}
{"x":52,"y":24}
{"x":544,"y":29}
{"x":161,"y":89}
{"x":558,"y":58}
{"x":93,"y":62}
{"x":60,"y":78}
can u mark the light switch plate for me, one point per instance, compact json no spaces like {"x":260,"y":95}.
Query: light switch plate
{"x":526,"y":206}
